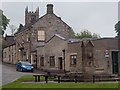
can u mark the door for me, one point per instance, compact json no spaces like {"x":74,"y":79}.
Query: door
{"x":115,"y":62}
{"x":60,"y":63}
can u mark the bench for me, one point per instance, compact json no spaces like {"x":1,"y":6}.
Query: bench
{"x":37,"y":77}
{"x":72,"y":77}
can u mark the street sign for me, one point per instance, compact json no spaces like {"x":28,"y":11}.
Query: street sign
{"x":107,"y":53}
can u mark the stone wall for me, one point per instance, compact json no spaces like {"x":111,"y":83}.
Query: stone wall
{"x":100,"y":46}
{"x":101,"y":63}
{"x":52,"y":48}
{"x":75,"y":49}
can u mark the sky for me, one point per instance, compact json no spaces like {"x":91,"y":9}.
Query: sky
{"x":97,"y":17}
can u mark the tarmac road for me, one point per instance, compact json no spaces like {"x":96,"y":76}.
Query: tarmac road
{"x":9,"y":74}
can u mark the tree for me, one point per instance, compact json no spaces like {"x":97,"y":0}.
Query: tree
{"x":117,"y":28}
{"x":12,"y":28}
{"x":95,"y":35}
{"x":86,"y":34}
{"x":71,"y":32}
{"x":4,"y":22}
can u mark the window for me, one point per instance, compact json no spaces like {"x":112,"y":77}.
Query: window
{"x":9,"y":57}
{"x":41,"y":61}
{"x":52,"y":61}
{"x":73,"y":59}
{"x":4,"y":54}
{"x":27,"y":55}
{"x":41,"y":35}
{"x":27,"y":37}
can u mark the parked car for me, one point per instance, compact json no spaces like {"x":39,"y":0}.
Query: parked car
{"x":24,"y":66}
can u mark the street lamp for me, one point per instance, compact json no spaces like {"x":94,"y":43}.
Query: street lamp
{"x":64,"y":58}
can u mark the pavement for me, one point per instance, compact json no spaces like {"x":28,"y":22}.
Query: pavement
{"x":9,"y":74}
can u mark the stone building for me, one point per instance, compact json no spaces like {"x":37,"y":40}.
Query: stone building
{"x":89,"y":55}
{"x":50,"y":56}
{"x":95,"y":55}
{"x":9,"y":52}
{"x":47,"y":43}
{"x":37,"y":31}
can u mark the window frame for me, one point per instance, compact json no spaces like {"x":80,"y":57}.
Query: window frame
{"x":52,"y":61}
{"x":39,"y":39}
{"x":41,"y":62}
{"x":72,"y":58}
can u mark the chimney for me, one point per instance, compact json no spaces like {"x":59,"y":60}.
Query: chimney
{"x":26,"y":9}
{"x":49,"y":8}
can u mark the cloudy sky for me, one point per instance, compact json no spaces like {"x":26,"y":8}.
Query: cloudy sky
{"x":97,"y":17}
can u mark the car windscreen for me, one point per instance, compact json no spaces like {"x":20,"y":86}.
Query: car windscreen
{"x":25,"y":63}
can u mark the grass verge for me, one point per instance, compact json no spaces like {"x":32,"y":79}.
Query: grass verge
{"x":29,"y":78}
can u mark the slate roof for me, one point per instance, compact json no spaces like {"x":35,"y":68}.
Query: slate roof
{"x":73,"y":40}
{"x":57,"y":36}
{"x":9,"y":40}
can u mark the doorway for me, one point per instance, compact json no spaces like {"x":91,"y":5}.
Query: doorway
{"x":60,"y":66}
{"x":115,"y":62}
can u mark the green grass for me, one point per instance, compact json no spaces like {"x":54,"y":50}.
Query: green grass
{"x":19,"y":84}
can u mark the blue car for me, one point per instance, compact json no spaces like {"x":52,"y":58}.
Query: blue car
{"x":24,"y":66}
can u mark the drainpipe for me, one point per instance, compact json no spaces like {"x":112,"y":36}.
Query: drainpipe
{"x":64,"y":58}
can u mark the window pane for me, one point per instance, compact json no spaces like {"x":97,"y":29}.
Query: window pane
{"x":52,"y":61}
{"x":42,"y":61}
{"x":73,"y":59}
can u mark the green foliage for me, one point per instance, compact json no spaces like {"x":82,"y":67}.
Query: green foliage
{"x":71,"y":32}
{"x":117,"y":28}
{"x":4,"y":21}
{"x":86,"y":34}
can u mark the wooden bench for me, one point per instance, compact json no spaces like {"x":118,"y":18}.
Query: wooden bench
{"x":72,"y":77}
{"x":37,"y":77}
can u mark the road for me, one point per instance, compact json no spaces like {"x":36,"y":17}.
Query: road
{"x":9,"y":74}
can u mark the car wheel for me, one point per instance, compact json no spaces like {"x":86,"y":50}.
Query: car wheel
{"x":16,"y":69}
{"x":32,"y":70}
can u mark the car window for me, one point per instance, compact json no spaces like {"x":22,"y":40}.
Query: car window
{"x":19,"y":63}
{"x":26,"y":63}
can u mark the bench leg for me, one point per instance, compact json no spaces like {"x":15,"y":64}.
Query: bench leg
{"x":75,"y":79}
{"x":35,"y":78}
{"x":46,"y":79}
{"x":58,"y":79}
{"x":38,"y":78}
{"x":93,"y":79}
